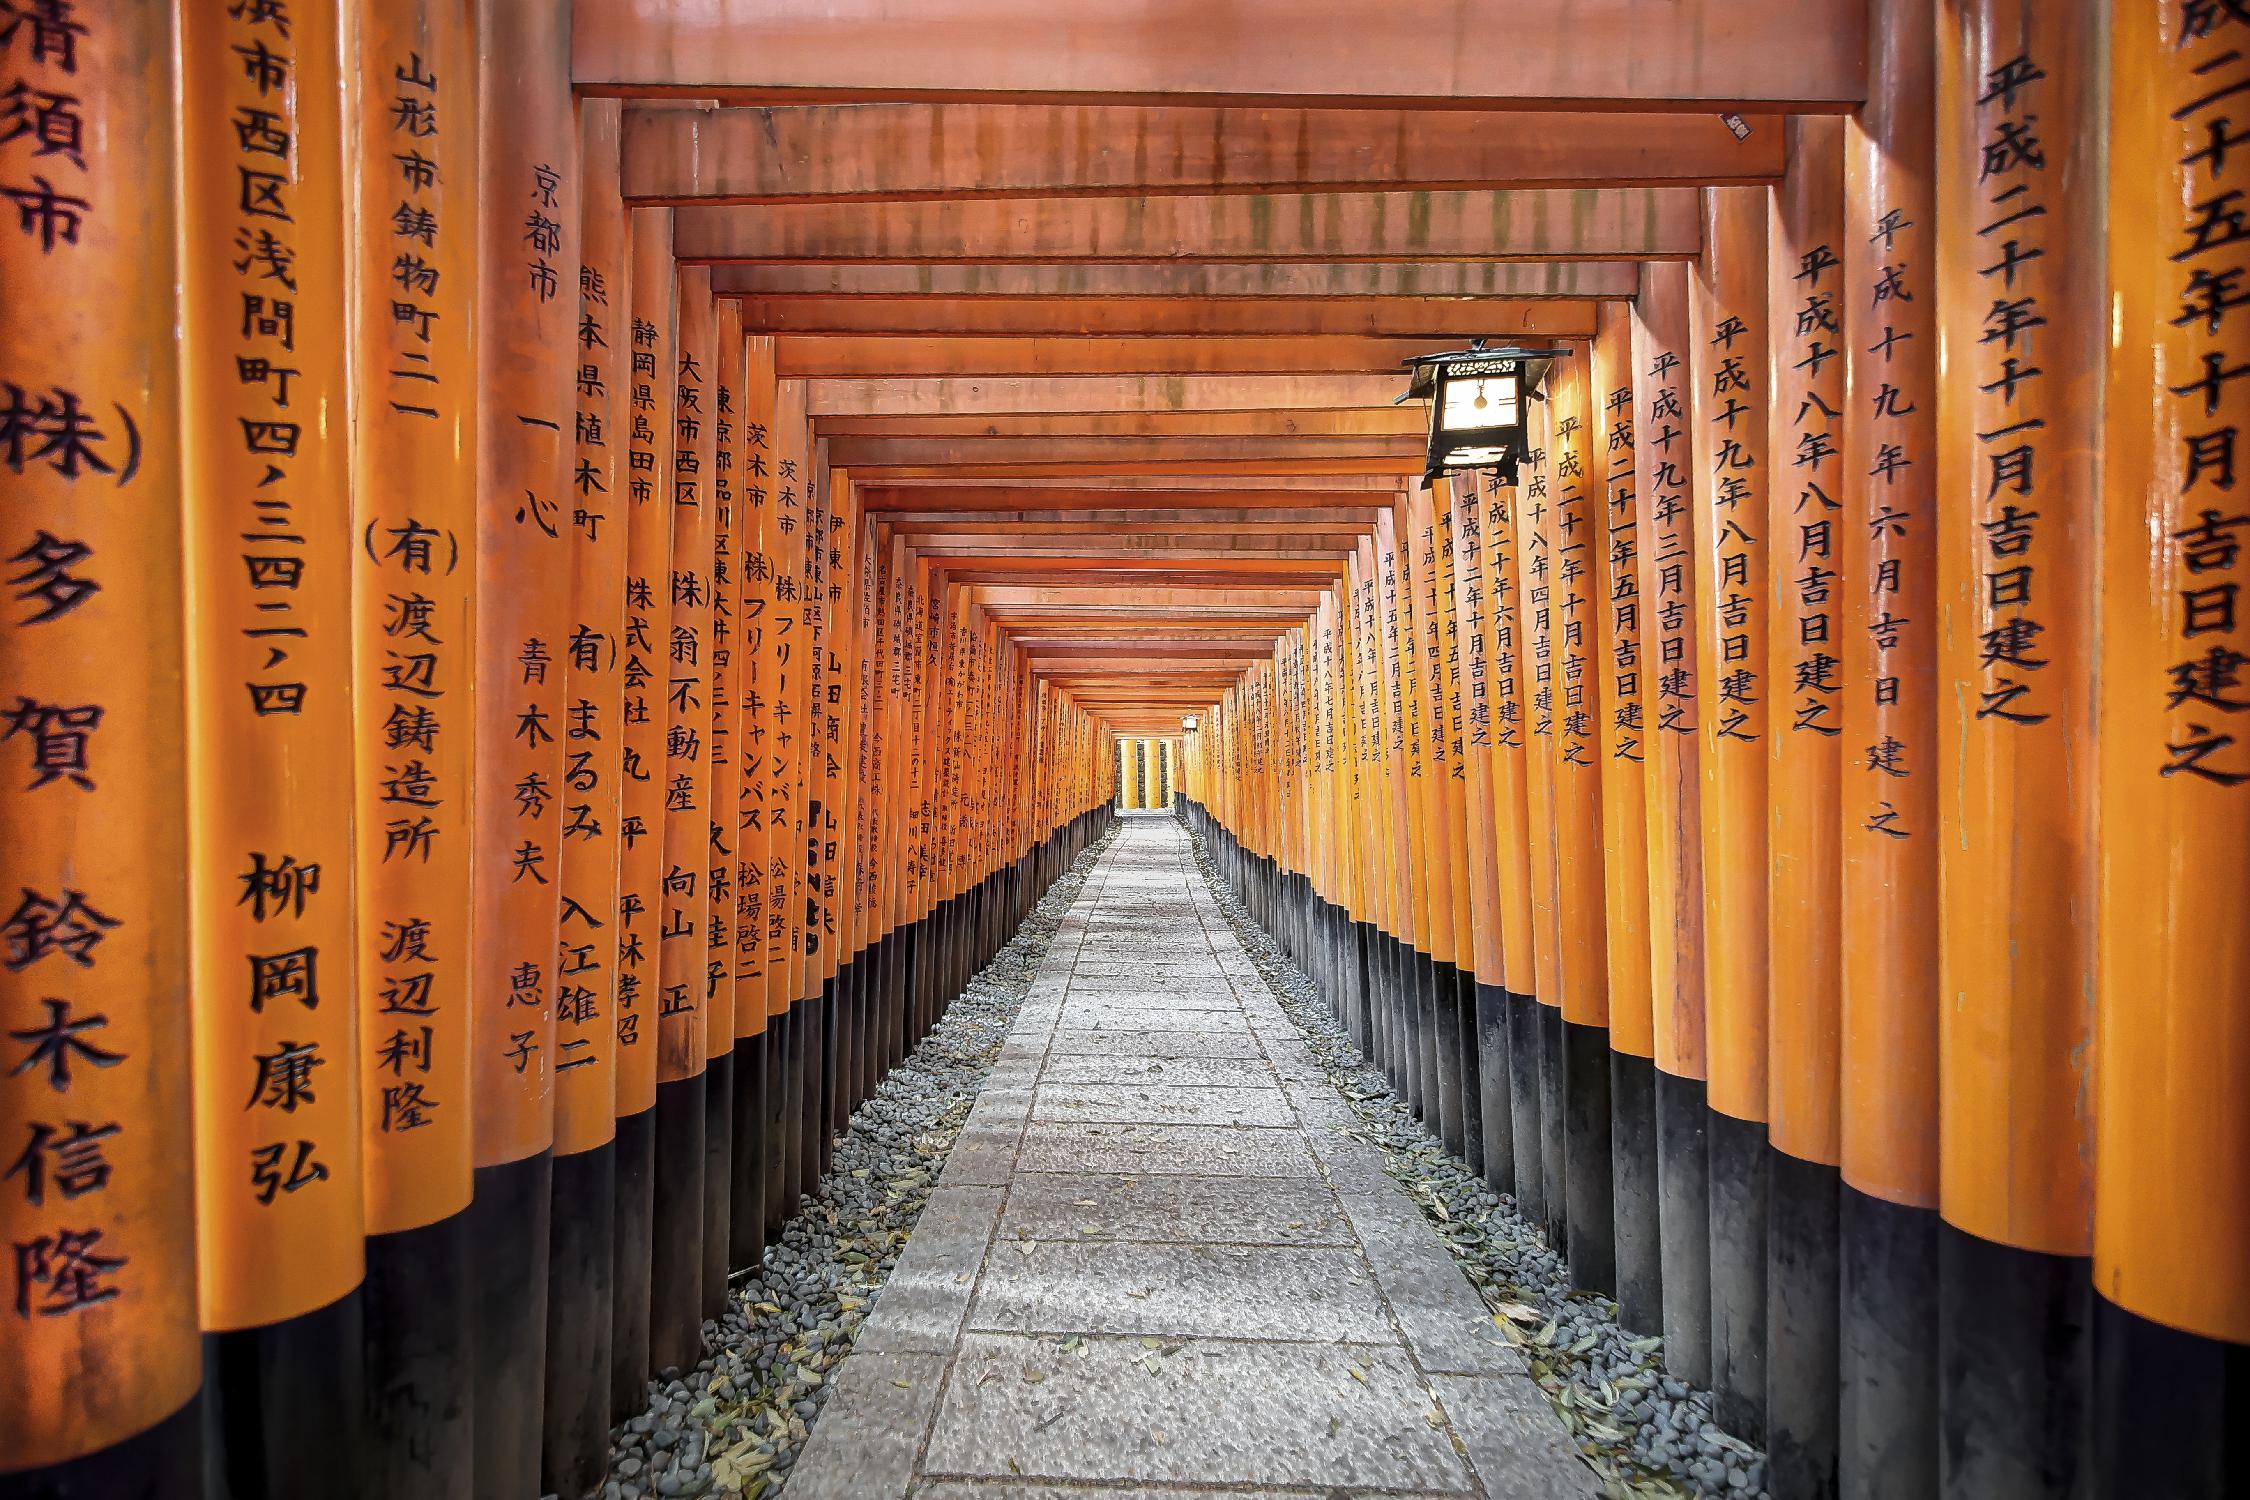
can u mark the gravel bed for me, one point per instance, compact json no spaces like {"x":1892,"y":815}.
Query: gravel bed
{"x":736,"y":1423}
{"x":1644,"y":1433}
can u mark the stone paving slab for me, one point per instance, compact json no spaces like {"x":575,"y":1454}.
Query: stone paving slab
{"x":1307,"y":1294}
{"x":1160,"y":1263}
{"x":1161,"y":1104}
{"x":1140,"y":1044}
{"x":1205,"y":1150}
{"x":1169,"y":1072}
{"x":1174,"y":1210}
{"x":1211,"y":1411}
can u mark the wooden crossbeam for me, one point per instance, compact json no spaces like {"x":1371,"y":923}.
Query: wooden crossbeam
{"x":1207,"y":279}
{"x":819,"y":355}
{"x":1457,"y":318}
{"x":1656,"y":223}
{"x":866,"y":152}
{"x":981,"y":395}
{"x":1527,"y":54}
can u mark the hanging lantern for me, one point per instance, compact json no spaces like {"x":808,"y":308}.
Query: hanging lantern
{"x":1477,"y":406}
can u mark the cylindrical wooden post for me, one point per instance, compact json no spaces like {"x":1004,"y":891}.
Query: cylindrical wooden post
{"x":98,"y":1386}
{"x":1475,"y":614}
{"x":2019,"y":147}
{"x":1622,"y":669}
{"x":268,"y":560}
{"x":1729,"y":379}
{"x":1511,"y":832}
{"x":786,"y":892}
{"x":2172,"y":1185}
{"x":1805,"y":318}
{"x":1543,"y":590}
{"x":754,"y":645}
{"x":1671,"y":574}
{"x":1582,"y":743}
{"x":527,"y":321}
{"x":648,"y":321}
{"x":682,"y":896}
{"x":722,"y":494}
{"x":413,"y":137}
{"x":1426,"y":771}
{"x":581,"y":1308}
{"x":1888,"y":1237}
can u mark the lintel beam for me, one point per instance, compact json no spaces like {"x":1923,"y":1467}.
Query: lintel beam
{"x":1459,"y":319}
{"x":829,"y":355}
{"x":1656,"y":223}
{"x":980,"y":395}
{"x":1204,"y":279}
{"x":1528,"y":54}
{"x":864,"y":152}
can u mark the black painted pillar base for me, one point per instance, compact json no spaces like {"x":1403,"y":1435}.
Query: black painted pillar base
{"x":746,"y":1199}
{"x":1445,"y":1057}
{"x":2015,"y":1370}
{"x":1887,"y":1365}
{"x":419,"y":1370}
{"x":632,"y":1231}
{"x":1494,"y":1086}
{"x":718,"y":1178}
{"x":820,"y":1089}
{"x":1801,"y":1290}
{"x":675,"y":1299}
{"x":1523,"y":1105}
{"x":1683,"y":1182}
{"x":508,"y":1237}
{"x":1468,"y":1048}
{"x":843,"y":1047}
{"x":281,"y":1407}
{"x":1738,"y":1159}
{"x":1426,"y":1041}
{"x":1367,"y":939}
{"x":164,"y":1462}
{"x":2170,"y":1411}
{"x":1590,"y":1217}
{"x":795,"y":1022}
{"x":1554,"y":1129}
{"x":1637,"y":1226}
{"x":574,"y":1445}
{"x":780,"y":1122}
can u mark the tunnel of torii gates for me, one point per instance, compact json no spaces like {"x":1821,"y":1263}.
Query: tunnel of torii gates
{"x":570,"y":576}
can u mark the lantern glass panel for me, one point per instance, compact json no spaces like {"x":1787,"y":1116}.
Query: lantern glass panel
{"x":1481,"y":401}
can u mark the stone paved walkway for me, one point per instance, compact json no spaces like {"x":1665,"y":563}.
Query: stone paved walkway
{"x":1156,"y":1265}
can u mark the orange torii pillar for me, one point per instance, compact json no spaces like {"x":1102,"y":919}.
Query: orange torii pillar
{"x":2019,"y":140}
{"x":1511,"y":837}
{"x":1670,"y":583}
{"x":681,"y":901}
{"x":1580,"y":532}
{"x":98,"y":1391}
{"x":2172,"y":1183}
{"x":722,"y":397}
{"x":1805,"y":319}
{"x":752,"y":648}
{"x":1439,"y":797}
{"x":648,"y":321}
{"x":268,"y":559}
{"x":785,"y":897}
{"x":1474,"y":617}
{"x":1536,"y":539}
{"x":581,"y":1309}
{"x":1621,"y":665}
{"x":1888,"y":1236}
{"x":528,"y":229}
{"x":1729,"y":376}
{"x":414,"y":493}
